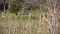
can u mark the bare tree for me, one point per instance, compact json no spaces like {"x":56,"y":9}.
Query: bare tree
{"x":52,"y":6}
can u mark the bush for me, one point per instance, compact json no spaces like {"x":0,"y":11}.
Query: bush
{"x":14,"y":7}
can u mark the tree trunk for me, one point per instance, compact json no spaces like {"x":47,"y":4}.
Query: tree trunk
{"x":53,"y":24}
{"x":4,"y":7}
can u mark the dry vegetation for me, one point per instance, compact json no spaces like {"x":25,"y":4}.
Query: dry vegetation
{"x":29,"y":17}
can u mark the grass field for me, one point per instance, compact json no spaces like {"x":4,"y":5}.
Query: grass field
{"x":18,"y":24}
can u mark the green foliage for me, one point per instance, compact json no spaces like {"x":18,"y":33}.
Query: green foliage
{"x":14,"y":7}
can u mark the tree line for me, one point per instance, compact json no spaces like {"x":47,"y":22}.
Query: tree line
{"x":14,"y":5}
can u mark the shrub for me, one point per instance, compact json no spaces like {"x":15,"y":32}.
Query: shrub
{"x":14,"y":7}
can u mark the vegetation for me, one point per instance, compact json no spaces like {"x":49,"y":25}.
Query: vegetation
{"x":29,"y":17}
{"x":14,"y":7}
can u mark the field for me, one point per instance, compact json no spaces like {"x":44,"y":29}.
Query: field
{"x":22,"y":24}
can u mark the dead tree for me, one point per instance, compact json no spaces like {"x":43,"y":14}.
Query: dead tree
{"x":4,"y":4}
{"x":52,"y":6}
